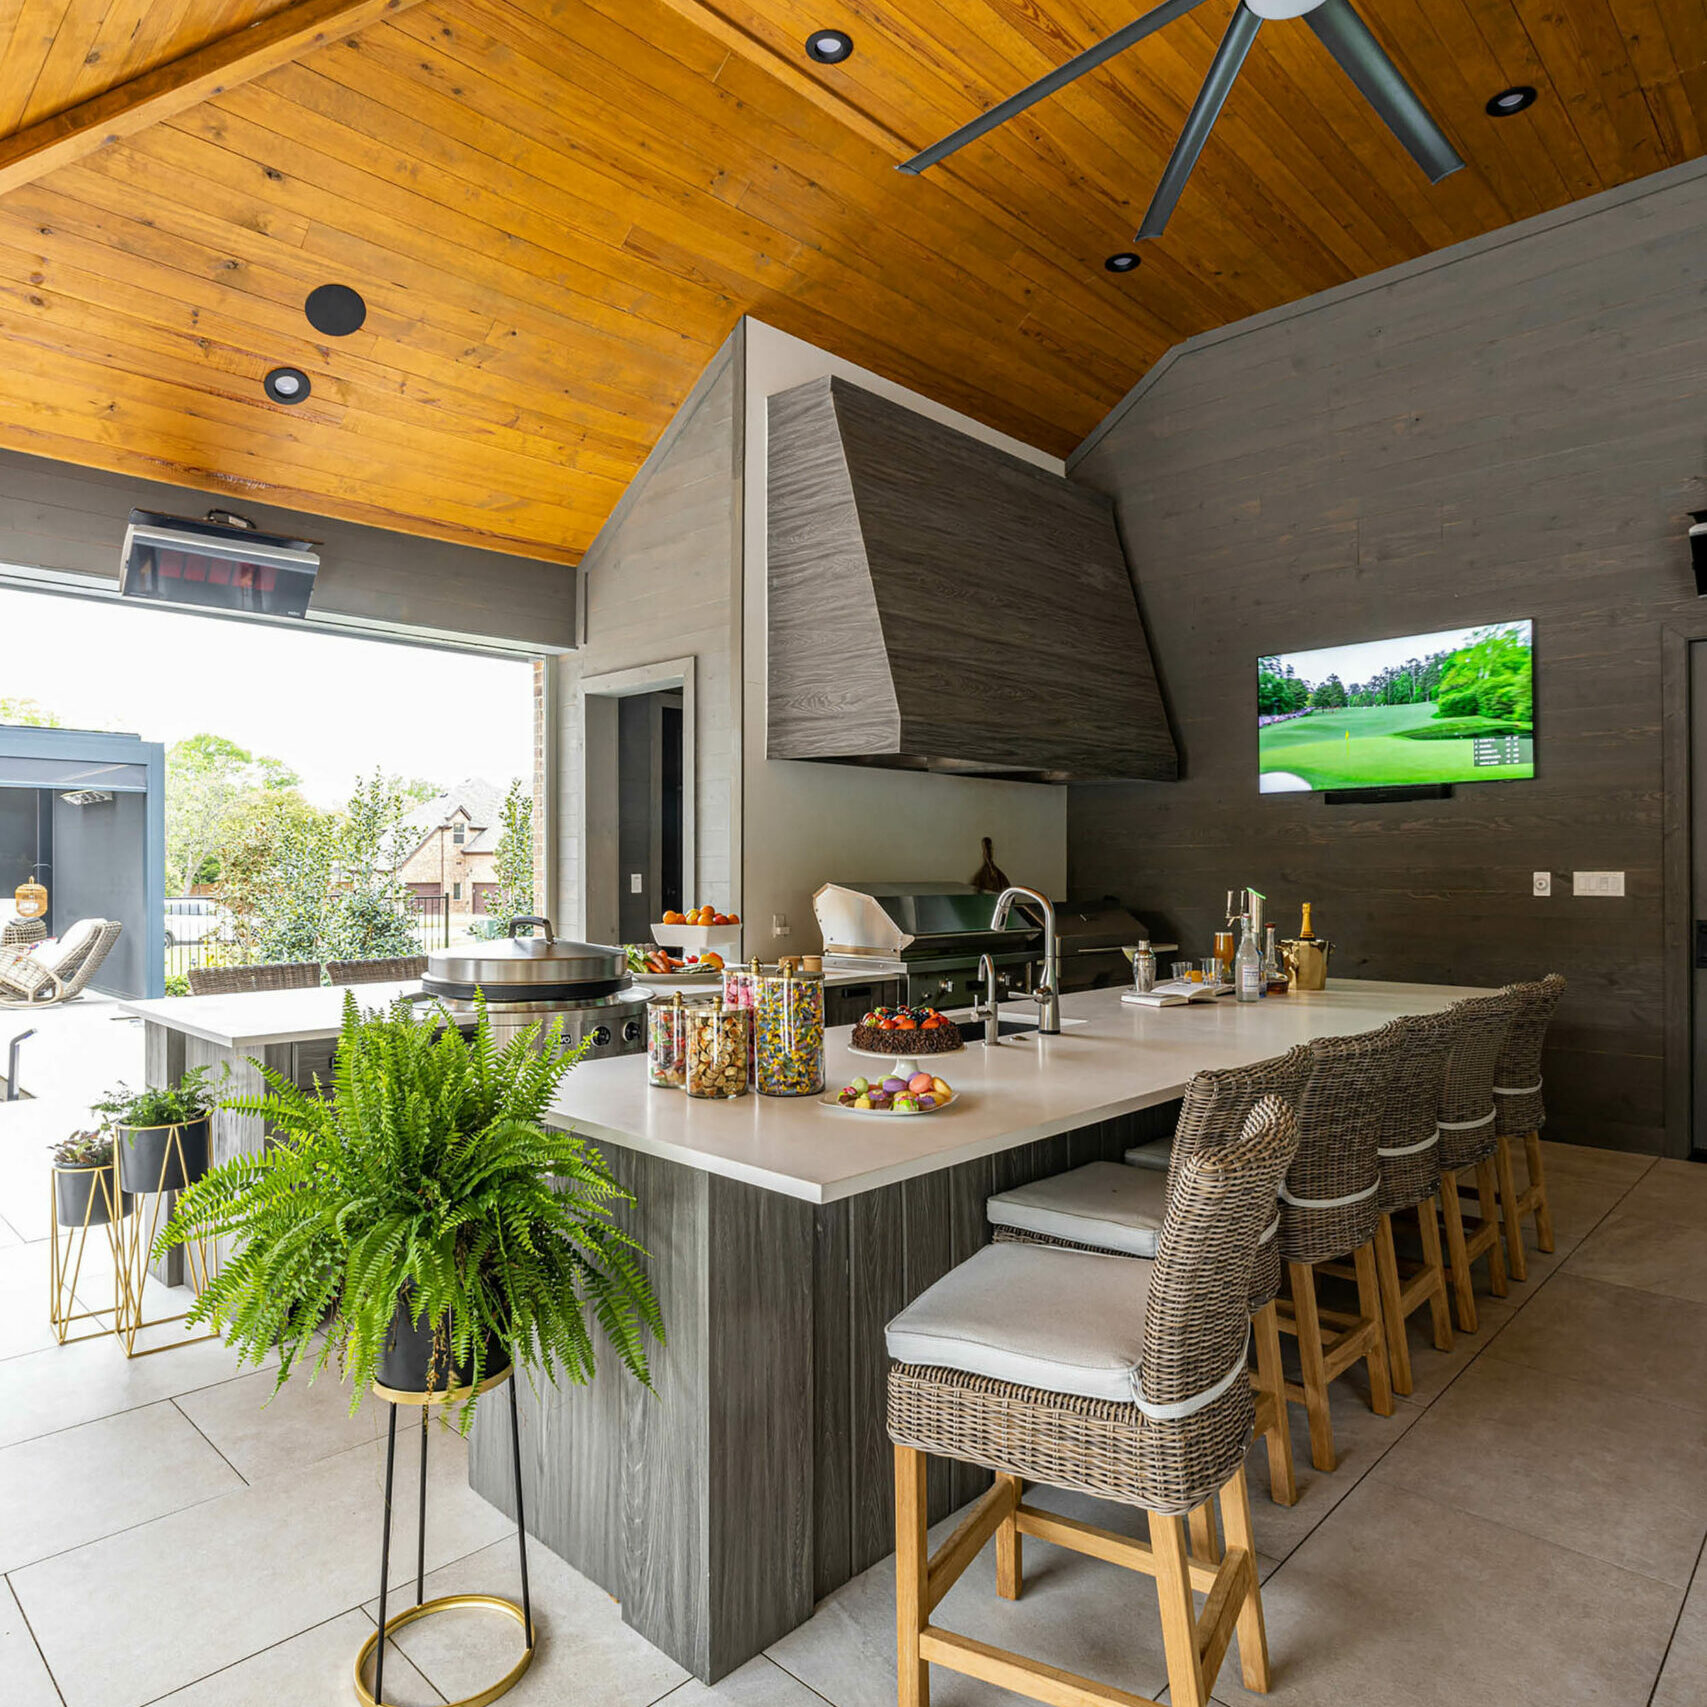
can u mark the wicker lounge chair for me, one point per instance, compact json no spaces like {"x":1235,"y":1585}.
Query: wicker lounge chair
{"x":1120,"y":1211}
{"x":241,"y":980}
{"x":50,"y":973}
{"x":1113,"y":1376}
{"x":1520,"y":1112}
{"x":376,"y":971}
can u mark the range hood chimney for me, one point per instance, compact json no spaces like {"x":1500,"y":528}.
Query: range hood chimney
{"x":937,"y":604}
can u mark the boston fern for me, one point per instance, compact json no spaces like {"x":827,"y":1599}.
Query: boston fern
{"x":429,"y":1175}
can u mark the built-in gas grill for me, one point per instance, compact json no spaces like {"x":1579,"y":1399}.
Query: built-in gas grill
{"x":934,"y":934}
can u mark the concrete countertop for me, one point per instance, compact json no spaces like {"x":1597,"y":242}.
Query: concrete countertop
{"x":1118,"y":1059}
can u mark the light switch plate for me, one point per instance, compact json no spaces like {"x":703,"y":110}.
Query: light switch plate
{"x":634,"y":883}
{"x":1543,"y":881}
{"x":779,"y":924}
{"x":1597,"y":883}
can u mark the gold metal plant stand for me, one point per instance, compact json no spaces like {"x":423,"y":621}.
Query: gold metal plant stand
{"x":133,"y":1247}
{"x":374,"y":1647}
{"x":65,"y":1255}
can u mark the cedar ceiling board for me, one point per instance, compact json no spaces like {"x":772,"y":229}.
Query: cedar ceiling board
{"x":558,"y":209}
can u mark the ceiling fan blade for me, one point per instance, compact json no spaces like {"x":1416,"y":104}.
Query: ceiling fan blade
{"x":1229,"y":56}
{"x":1059,"y":78}
{"x":1345,"y":35}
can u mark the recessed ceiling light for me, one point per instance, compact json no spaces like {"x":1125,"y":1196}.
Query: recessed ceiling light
{"x":829,"y":47}
{"x":1509,"y":101}
{"x":1124,"y":262}
{"x":335,"y":310}
{"x":287,"y":385}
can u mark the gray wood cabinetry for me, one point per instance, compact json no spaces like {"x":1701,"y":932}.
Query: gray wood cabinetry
{"x":757,"y":1477}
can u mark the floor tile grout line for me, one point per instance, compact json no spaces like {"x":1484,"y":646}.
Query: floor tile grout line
{"x":35,"y":1641}
{"x":123,"y":1529}
{"x":819,"y":1694}
{"x":204,"y":1435}
{"x":1695,"y":1576}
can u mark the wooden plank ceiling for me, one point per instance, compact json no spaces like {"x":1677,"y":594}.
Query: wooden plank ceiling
{"x":557,"y":209}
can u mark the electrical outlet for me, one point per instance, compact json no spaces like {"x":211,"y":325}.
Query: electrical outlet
{"x":1604,"y":883}
{"x":779,"y":924}
{"x":635,"y":885}
{"x":1543,"y":881}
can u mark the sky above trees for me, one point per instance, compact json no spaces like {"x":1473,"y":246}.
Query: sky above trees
{"x":329,"y":707}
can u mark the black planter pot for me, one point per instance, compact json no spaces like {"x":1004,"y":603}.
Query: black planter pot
{"x":77,"y":1194}
{"x":407,"y":1365}
{"x":142,"y":1150}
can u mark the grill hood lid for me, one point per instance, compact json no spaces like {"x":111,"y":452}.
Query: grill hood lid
{"x":935,"y":603}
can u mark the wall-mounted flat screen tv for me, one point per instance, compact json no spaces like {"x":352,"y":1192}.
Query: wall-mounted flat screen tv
{"x":1457,"y":706}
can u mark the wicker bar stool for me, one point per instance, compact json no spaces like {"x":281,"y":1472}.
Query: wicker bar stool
{"x":1520,"y":1112}
{"x":1328,"y":1213}
{"x":1117,"y":1377}
{"x":1468,"y":1144}
{"x":397,"y":971}
{"x":242,"y":980}
{"x":1410,"y":1180}
{"x":1120,"y":1211}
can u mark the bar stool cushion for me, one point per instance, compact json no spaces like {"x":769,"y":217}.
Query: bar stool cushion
{"x":1157,"y":1154}
{"x":1103,"y":1204}
{"x":1063,"y":1321}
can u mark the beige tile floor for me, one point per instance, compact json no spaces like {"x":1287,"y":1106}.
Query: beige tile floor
{"x":1527,"y":1529}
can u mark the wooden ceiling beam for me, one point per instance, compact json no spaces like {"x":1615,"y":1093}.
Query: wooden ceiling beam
{"x":183,"y":83}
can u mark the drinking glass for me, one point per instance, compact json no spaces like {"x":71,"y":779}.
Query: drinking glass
{"x":1183,"y":972}
{"x":1210,"y":970}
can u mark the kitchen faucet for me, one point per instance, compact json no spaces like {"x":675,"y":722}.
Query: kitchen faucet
{"x":991,"y":1012}
{"x":1048,"y":993}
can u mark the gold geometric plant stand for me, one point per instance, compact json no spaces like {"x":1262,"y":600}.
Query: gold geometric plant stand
{"x":66,"y":1249}
{"x":135,"y":1241}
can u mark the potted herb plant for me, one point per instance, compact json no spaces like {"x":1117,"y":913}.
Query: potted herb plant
{"x":80,"y":1199}
{"x":143,"y":1122}
{"x":423,"y":1226}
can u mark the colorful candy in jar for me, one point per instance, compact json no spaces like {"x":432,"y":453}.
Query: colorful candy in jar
{"x":790,"y":1049}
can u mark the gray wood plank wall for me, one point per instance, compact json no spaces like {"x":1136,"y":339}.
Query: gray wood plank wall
{"x":1515,"y":430}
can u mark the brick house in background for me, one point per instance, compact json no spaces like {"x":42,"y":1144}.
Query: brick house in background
{"x":453,"y":843}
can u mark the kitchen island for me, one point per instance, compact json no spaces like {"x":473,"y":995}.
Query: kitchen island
{"x":783,"y":1236}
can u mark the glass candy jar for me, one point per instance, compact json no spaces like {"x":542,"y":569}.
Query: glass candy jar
{"x":790,"y":1046}
{"x":716,"y":1064}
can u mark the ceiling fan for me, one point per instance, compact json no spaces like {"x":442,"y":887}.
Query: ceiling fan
{"x":1337,"y":26}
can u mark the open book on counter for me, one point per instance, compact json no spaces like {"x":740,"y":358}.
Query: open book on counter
{"x":1175,"y":993}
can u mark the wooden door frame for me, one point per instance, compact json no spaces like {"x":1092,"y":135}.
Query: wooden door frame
{"x":1676,"y":807}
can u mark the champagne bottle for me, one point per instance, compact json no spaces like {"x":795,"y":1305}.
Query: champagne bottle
{"x":1247,"y":967}
{"x":1305,"y":933}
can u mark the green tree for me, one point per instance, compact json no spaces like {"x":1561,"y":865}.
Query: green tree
{"x":418,"y":791}
{"x":1491,"y":677}
{"x":206,"y":777}
{"x":17,"y":710}
{"x":513,"y":857}
{"x":1328,"y":695}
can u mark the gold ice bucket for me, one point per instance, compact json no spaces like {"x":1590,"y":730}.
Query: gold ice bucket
{"x":1307,"y":962}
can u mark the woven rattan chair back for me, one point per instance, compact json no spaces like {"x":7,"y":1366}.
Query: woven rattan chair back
{"x":1328,"y":1206}
{"x":243,"y":980}
{"x":376,"y":971}
{"x":1519,"y":1107}
{"x":1410,"y":1131}
{"x":1197,"y":1319}
{"x":1467,"y":1093}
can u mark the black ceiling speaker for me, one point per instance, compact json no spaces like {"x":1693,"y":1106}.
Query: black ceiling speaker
{"x":335,"y":310}
{"x":1338,"y":27}
{"x":1698,"y":550}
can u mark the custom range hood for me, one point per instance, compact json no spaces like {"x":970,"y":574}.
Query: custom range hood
{"x":936,"y":604}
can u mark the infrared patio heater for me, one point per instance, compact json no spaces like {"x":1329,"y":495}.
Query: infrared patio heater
{"x":222,"y":563}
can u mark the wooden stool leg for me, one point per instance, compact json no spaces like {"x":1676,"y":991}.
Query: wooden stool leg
{"x":1186,"y":1685}
{"x":1515,"y":1257}
{"x":1487,"y":1204}
{"x":1271,"y":1379}
{"x":1452,"y":1213}
{"x":1205,"y":1538}
{"x":1253,"y":1637}
{"x":912,"y":1570}
{"x":1429,"y":1230}
{"x":1392,"y":1307}
{"x":1310,"y":1353}
{"x":1538,"y":1191}
{"x":1369,"y":1308}
{"x":1010,"y":1567}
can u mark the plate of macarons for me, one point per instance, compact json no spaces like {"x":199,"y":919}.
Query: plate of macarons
{"x":922,"y":1093}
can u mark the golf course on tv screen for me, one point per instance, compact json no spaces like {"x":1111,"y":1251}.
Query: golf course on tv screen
{"x":1457,"y":706}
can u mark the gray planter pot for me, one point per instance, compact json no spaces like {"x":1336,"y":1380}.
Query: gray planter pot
{"x":406,"y":1365}
{"x":141,"y":1150}
{"x":77,"y":1194}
